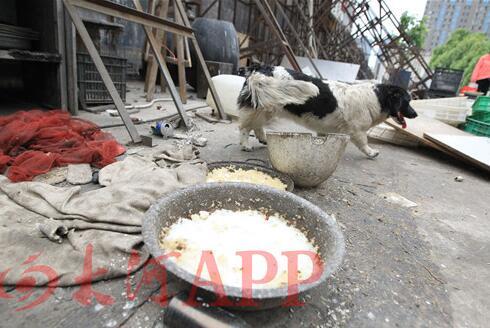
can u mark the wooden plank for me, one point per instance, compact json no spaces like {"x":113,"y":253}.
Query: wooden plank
{"x":104,"y":74}
{"x":149,"y":65}
{"x":156,"y":47}
{"x":181,"y":63}
{"x":173,"y":60}
{"x":181,"y":10}
{"x":152,"y":70}
{"x":71,"y":64}
{"x":60,"y":45}
{"x":475,"y":150}
{"x":423,"y":124}
{"x":32,"y":56}
{"x":151,"y":77}
{"x":148,"y":57}
{"x":165,"y":6}
{"x":135,"y":16}
{"x":151,"y":10}
{"x":152,"y":66}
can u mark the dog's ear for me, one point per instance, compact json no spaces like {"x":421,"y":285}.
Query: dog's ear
{"x":390,"y":98}
{"x":396,"y":97}
{"x":394,"y":100}
{"x":399,"y":102}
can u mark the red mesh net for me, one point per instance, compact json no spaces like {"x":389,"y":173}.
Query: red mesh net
{"x":32,"y":142}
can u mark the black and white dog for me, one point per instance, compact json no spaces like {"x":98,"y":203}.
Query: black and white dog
{"x":325,"y":107}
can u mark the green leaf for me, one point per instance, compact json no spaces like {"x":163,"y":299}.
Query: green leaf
{"x":461,"y":51}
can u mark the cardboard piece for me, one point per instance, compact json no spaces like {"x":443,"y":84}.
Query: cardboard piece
{"x":471,"y":148}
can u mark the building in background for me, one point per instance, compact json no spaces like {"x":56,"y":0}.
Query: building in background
{"x":443,"y":17}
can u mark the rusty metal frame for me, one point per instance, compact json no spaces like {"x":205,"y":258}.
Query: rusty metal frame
{"x":109,"y":84}
{"x":181,"y":9}
{"x":148,"y":21}
{"x":333,"y":39}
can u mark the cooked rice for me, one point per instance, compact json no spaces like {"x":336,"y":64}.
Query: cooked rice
{"x":231,"y":174}
{"x":225,"y":232}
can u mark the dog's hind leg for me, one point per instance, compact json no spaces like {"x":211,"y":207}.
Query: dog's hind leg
{"x":258,"y":127}
{"x":247,"y":120}
{"x":255,"y":120}
{"x":360,"y":140}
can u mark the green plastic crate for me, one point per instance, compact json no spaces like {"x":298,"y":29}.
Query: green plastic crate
{"x":476,"y":127}
{"x":482,"y":104}
{"x":481,"y":116}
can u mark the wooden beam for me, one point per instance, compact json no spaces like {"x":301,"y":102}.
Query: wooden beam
{"x":135,"y":16}
{"x":71,"y":63}
{"x":161,"y":10}
{"x":156,"y":48}
{"x":181,"y":9}
{"x":147,"y":46}
{"x":181,"y":63}
{"x":25,"y":55}
{"x":92,"y":51}
{"x":60,"y":40}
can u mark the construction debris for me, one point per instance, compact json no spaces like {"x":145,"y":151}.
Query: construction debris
{"x":398,"y":199}
{"x":79,"y":174}
{"x":459,"y":179}
{"x":386,"y":133}
{"x":53,"y":177}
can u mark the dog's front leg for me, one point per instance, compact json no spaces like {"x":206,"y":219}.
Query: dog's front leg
{"x":361,"y":141}
{"x":260,"y":135}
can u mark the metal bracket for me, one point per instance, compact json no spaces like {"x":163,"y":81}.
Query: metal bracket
{"x":202,"y":62}
{"x":148,"y":21}
{"x":106,"y":78}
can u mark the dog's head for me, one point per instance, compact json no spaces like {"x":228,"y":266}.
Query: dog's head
{"x":395,"y":101}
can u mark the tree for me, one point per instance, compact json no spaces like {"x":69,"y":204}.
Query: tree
{"x":415,"y":29}
{"x":461,"y":51}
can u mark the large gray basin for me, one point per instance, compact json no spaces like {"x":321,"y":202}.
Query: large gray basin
{"x":316,"y":224}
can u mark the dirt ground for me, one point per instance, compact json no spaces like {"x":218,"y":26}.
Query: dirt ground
{"x":425,"y":266}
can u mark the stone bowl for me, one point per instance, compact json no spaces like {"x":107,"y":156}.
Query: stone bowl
{"x":315,"y":223}
{"x":307,"y":159}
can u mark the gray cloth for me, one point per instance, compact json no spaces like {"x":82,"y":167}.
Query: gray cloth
{"x":54,"y":225}
{"x":177,"y":152}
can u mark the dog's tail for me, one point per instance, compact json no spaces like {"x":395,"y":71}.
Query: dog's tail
{"x":265,"y":92}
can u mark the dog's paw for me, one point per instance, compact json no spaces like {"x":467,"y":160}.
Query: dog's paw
{"x":247,"y":148}
{"x":372,"y":153}
{"x":263,"y":142}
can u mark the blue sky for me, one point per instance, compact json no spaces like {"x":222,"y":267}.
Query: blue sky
{"x":414,"y":7}
{"x":398,"y":7}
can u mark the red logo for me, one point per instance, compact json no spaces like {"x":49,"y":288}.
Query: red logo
{"x":153,"y":272}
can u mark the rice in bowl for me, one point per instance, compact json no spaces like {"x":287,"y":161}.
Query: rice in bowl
{"x":232,"y":174}
{"x":225,"y":232}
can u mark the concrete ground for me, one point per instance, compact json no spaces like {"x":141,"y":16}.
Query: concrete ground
{"x":425,"y":266}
